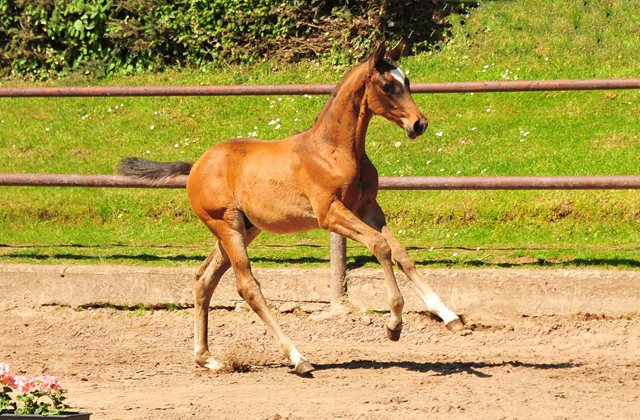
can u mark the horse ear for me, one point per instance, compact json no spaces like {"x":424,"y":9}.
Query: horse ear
{"x":395,"y":52}
{"x":378,"y":55}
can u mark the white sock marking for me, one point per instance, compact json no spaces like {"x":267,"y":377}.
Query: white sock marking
{"x":435,"y":305}
{"x":214,"y":366}
{"x":295,"y":357}
{"x":398,"y":75}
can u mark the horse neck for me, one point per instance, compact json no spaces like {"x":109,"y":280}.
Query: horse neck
{"x":345,"y":118}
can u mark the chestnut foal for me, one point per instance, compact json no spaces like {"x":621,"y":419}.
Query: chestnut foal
{"x":320,"y":178}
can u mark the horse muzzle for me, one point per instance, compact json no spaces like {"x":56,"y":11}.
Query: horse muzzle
{"x":417,"y":128}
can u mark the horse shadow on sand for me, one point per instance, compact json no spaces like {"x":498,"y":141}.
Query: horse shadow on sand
{"x":440,"y":368}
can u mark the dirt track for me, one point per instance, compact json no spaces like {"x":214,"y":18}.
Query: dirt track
{"x":123,"y":365}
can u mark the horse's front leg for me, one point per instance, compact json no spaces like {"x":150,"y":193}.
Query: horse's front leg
{"x":342,"y":221}
{"x":374,"y":216}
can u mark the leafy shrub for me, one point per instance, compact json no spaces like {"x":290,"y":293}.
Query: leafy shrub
{"x":48,"y":38}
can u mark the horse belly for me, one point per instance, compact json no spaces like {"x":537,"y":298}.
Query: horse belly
{"x":278,"y":213}
{"x":288,"y":225}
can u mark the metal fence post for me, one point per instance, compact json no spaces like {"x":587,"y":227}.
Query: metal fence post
{"x":338,"y":270}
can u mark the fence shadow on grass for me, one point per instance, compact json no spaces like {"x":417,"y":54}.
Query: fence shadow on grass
{"x":147,"y":258}
{"x":364,"y":260}
{"x":114,"y":258}
{"x":26,"y":253}
{"x":540,"y":263}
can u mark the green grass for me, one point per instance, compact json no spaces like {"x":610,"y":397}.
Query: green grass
{"x":569,"y":133}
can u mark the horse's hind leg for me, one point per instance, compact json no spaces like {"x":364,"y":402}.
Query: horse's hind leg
{"x":249,"y":289}
{"x":207,"y":277}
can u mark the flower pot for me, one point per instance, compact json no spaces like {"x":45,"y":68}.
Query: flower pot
{"x":65,"y":415}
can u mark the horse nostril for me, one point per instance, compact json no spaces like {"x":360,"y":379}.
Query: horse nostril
{"x":419,"y":127}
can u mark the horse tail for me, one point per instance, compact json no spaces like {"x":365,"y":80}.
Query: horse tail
{"x":141,"y":168}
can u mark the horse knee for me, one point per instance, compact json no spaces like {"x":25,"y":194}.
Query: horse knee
{"x":380,"y":248}
{"x":403,"y":260}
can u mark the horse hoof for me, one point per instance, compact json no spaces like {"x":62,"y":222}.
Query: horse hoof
{"x":303,"y":367}
{"x":455,"y":325}
{"x":205,"y":360}
{"x":212,"y":365}
{"x":394,"y":335}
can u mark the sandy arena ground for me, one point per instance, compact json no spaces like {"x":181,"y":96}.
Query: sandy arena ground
{"x":127,"y":365}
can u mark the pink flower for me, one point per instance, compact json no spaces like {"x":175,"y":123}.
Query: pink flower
{"x":7,"y":378}
{"x":48,"y":383}
{"x":4,"y":369}
{"x":25,"y":383}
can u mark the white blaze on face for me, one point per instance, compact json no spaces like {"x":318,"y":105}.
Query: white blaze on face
{"x":398,"y":75}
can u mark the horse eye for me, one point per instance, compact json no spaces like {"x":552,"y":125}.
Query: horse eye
{"x":386,"y":88}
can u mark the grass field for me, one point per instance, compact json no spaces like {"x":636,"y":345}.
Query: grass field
{"x":543,"y":133}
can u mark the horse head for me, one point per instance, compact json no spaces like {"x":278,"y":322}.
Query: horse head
{"x":388,"y":91}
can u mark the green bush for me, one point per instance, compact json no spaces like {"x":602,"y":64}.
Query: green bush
{"x":50,"y":38}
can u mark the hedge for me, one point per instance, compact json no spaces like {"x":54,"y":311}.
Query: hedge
{"x":51,"y":38}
